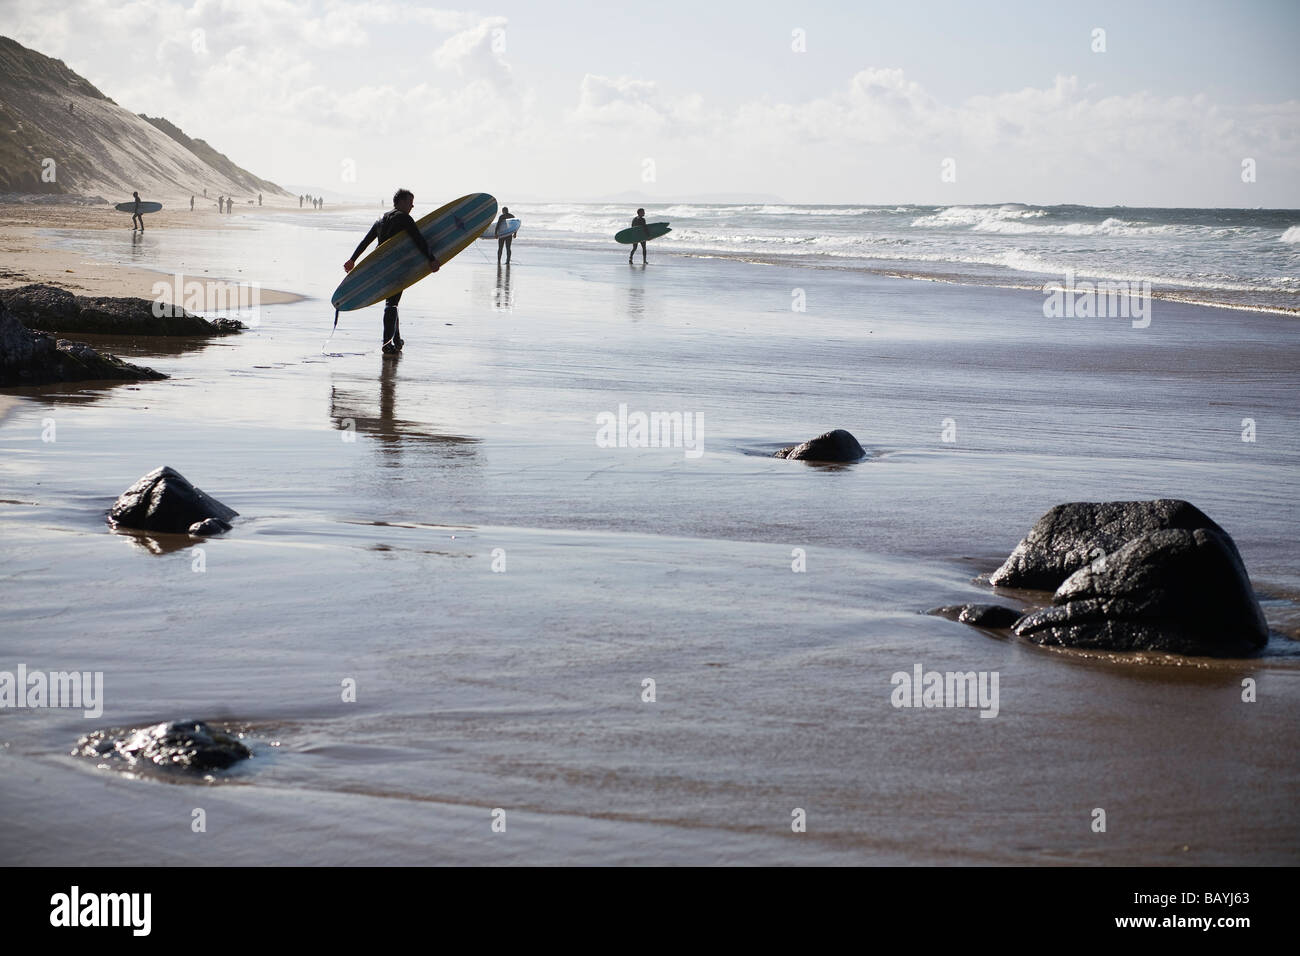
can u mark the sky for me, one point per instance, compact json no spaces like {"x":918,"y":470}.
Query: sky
{"x":1187,"y":103}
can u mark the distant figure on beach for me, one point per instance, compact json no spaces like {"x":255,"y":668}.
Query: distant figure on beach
{"x":135,"y":214}
{"x":639,"y":220}
{"x":191,"y":202}
{"x":259,"y":199}
{"x":205,"y":193}
{"x":230,"y":205}
{"x":397,"y":219}
{"x":221,"y":203}
{"x":503,"y":242}
{"x":299,"y":202}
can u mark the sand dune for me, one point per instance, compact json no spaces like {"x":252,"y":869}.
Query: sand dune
{"x":97,"y":147}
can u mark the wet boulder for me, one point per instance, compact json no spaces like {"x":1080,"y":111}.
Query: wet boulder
{"x":184,"y":745}
{"x":1175,"y":590}
{"x":164,"y":500}
{"x":35,"y":358}
{"x":51,"y":309}
{"x":1071,"y":535}
{"x":834,"y":446}
{"x":208,"y":526}
{"x":979,"y":615}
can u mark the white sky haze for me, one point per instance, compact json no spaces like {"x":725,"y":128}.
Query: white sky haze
{"x":855,"y":102}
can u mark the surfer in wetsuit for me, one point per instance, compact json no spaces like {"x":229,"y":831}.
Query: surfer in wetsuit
{"x":503,"y":242}
{"x":638,"y":221}
{"x":398,"y":219}
{"x":135,"y":214}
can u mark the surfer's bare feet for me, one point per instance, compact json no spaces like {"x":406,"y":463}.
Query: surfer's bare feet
{"x":434,"y":264}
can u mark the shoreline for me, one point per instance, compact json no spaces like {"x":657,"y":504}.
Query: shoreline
{"x":19,"y":221}
{"x":832,"y":264}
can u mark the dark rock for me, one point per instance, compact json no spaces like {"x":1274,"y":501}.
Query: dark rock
{"x":834,"y":446}
{"x":186,"y":745}
{"x":52,"y":309}
{"x":979,"y":615}
{"x":164,"y":501}
{"x":35,"y":358}
{"x":1071,"y":535}
{"x":988,"y":615}
{"x":1172,"y":590}
{"x":209,"y":526}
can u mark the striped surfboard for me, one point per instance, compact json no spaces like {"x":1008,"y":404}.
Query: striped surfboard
{"x":397,"y":264}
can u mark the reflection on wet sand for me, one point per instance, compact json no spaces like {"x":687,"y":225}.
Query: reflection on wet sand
{"x":70,"y":393}
{"x":635,"y":302}
{"x":146,"y":346}
{"x":361,"y":410}
{"x":502,"y":300}
{"x":156,"y":542}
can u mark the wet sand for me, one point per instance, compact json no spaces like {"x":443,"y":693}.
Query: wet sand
{"x":376,"y":497}
{"x":30,"y":256}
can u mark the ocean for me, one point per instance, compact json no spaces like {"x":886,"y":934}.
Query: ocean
{"x":1246,"y":258}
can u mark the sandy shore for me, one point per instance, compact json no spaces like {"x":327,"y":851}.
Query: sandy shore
{"x":30,"y":257}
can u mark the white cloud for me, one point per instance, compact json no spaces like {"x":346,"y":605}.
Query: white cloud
{"x":287,"y":87}
{"x":477,"y":52}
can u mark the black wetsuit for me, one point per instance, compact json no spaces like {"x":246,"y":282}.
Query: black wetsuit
{"x":503,"y":241}
{"x":637,"y":221}
{"x":385,"y":227}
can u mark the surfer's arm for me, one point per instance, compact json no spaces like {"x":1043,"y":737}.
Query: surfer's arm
{"x":371,"y":236}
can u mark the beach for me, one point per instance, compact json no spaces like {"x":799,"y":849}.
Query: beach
{"x":447,"y":532}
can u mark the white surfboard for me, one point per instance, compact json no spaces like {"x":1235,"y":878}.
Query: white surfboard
{"x":507,"y":228}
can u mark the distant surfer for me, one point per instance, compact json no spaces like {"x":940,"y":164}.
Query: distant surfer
{"x":191,"y":203}
{"x":135,"y":213}
{"x":638,"y":221}
{"x":503,"y":242}
{"x":398,"y":219}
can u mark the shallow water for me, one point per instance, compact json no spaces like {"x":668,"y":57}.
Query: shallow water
{"x":376,"y":496}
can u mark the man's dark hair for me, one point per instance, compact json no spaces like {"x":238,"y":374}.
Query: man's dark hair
{"x":402,"y":194}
